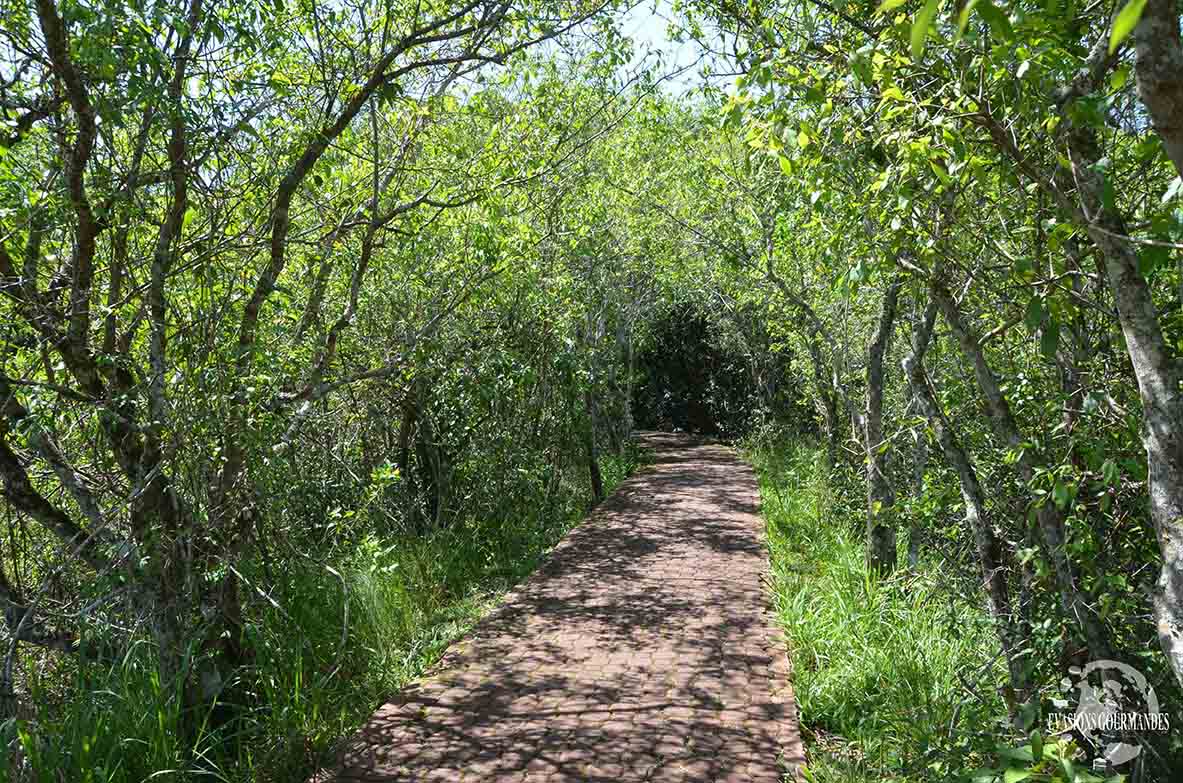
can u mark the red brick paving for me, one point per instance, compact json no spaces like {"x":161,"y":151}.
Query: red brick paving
{"x":643,"y":649}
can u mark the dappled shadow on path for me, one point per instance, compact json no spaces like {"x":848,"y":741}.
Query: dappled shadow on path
{"x":642,"y":649}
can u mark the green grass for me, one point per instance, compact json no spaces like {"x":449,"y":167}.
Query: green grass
{"x":892,"y":676}
{"x":331,"y":642}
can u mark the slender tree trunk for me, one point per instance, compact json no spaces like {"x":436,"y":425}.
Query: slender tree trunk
{"x":619,"y":426}
{"x":1049,"y":518}
{"x":311,"y":314}
{"x":919,"y":465}
{"x":922,"y":332}
{"x":1071,"y":356}
{"x":991,"y":552}
{"x":593,"y":456}
{"x":827,"y":399}
{"x":630,"y":366}
{"x":881,"y":533}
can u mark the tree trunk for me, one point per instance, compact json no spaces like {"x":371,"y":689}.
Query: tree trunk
{"x":1050,"y":520}
{"x":990,"y":548}
{"x":630,"y":368}
{"x":881,"y":534}
{"x":922,"y":338}
{"x":1070,"y":358}
{"x":1159,"y":68}
{"x":919,"y":465}
{"x":827,"y":400}
{"x":593,"y":456}
{"x":1158,"y":374}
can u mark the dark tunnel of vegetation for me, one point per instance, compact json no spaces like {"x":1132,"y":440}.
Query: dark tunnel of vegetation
{"x":699,"y":375}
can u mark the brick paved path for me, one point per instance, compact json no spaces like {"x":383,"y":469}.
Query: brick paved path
{"x":642,"y":650}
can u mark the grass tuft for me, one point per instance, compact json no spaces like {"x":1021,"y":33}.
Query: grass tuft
{"x":888,"y":673}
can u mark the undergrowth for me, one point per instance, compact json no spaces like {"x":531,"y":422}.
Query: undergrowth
{"x":893,"y":677}
{"x":331,"y":641}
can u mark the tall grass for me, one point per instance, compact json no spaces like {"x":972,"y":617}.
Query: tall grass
{"x":331,"y":641}
{"x":893,"y":677}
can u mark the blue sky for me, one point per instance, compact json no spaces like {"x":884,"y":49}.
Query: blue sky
{"x":647,"y":25}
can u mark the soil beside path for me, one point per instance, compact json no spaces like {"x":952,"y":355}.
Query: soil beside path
{"x":644,"y":649}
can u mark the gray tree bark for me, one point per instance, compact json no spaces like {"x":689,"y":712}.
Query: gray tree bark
{"x":991,"y":552}
{"x":827,"y":400}
{"x":1049,"y":518}
{"x":1158,"y":373}
{"x":593,"y":453}
{"x":1158,"y":66}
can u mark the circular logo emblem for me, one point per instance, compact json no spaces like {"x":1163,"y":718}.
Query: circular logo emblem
{"x":1112,"y":696}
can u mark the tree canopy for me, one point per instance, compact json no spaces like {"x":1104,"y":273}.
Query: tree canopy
{"x":294,"y":294}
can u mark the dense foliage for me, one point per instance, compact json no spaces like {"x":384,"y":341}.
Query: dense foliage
{"x":318,"y":324}
{"x":968,"y":217}
{"x":711,"y":373}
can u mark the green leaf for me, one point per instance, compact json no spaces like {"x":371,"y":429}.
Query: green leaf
{"x":963,"y":17}
{"x":860,"y":63}
{"x":1049,"y":340}
{"x":989,"y":12}
{"x":1014,"y":775}
{"x":1061,"y":495}
{"x":942,"y":175}
{"x":786,"y":165}
{"x":920,"y":27}
{"x":887,"y":6}
{"x":1035,"y":311}
{"x":1125,"y":22}
{"x":1022,"y":754}
{"x":1119,"y":78}
{"x":1151,"y":258}
{"x":802,"y":138}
